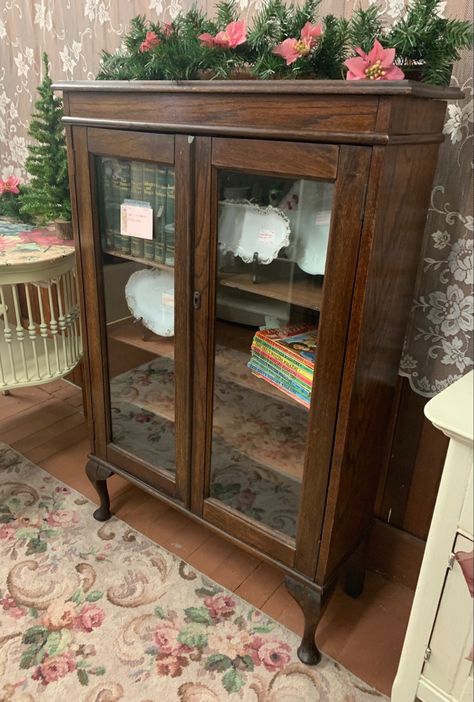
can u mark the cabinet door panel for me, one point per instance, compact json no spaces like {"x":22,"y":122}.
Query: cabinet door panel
{"x":138,"y":245}
{"x":281,"y":256}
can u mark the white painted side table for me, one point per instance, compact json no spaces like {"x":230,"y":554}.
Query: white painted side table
{"x":436,"y":661}
{"x":39,"y":311}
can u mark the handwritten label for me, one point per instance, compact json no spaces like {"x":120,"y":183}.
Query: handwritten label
{"x":266,"y":236}
{"x":136,"y":220}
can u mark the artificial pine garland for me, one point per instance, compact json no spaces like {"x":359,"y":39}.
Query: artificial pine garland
{"x":421,"y":39}
{"x":47,"y":196}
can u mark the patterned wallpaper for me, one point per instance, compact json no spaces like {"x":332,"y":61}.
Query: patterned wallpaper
{"x":439,"y":346}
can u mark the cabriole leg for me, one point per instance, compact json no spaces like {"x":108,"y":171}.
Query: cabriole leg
{"x":310,"y":602}
{"x":98,"y":475}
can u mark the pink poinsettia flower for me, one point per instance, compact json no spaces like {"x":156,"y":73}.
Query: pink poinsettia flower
{"x":292,"y":49}
{"x":206,"y":39}
{"x":10,"y":185}
{"x":376,"y":65}
{"x":233,"y":35}
{"x":151,"y":40}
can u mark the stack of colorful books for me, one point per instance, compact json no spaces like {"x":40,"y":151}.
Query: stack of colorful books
{"x":285,"y":357}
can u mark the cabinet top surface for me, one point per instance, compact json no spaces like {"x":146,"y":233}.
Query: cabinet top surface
{"x":452,"y":410}
{"x":296,"y":87}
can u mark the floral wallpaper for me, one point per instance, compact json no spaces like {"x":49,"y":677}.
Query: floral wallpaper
{"x":439,"y":346}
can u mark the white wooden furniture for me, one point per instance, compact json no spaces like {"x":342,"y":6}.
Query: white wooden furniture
{"x":435,"y":665}
{"x":39,"y":311}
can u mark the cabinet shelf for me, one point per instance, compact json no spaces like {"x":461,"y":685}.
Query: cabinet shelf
{"x":234,"y":342}
{"x":303,"y":293}
{"x":137,"y":259}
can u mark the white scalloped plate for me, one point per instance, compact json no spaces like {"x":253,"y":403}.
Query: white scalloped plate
{"x":150,"y":297}
{"x":246,"y":229}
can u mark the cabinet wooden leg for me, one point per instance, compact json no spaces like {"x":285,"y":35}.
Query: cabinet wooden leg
{"x":354,"y":577}
{"x":98,"y":475}
{"x":310,"y":602}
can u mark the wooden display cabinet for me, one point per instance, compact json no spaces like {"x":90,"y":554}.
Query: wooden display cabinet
{"x":351,"y":164}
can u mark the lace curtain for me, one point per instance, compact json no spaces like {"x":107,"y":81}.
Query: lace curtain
{"x":438,"y":347}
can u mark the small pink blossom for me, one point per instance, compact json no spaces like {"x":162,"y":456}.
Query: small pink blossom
{"x":7,"y":532}
{"x":220,"y":606}
{"x":168,"y":29}
{"x":54,"y":667}
{"x":62,"y":518}
{"x":166,"y":639}
{"x":272,"y":653}
{"x":9,"y":604}
{"x":151,"y":40}
{"x":171,"y":665}
{"x":59,"y":615}
{"x":233,"y":35}
{"x":90,"y":617}
{"x":10,"y":185}
{"x":292,"y":49}
{"x":376,"y":65}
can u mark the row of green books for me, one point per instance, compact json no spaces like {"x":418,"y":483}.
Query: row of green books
{"x":120,"y":180}
{"x":285,"y":358}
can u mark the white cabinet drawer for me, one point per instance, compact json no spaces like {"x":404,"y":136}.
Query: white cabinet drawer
{"x":448,"y":667}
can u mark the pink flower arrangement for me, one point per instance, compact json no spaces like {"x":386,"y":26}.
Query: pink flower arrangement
{"x":220,"y":606}
{"x":54,"y":667}
{"x":292,"y":49}
{"x":233,"y":35}
{"x":90,"y":617}
{"x":272,"y":653}
{"x":151,"y":40}
{"x":376,"y":65}
{"x":10,"y":185}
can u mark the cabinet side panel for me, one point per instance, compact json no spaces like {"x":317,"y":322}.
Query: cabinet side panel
{"x":400,"y":186}
{"x":91,"y":291}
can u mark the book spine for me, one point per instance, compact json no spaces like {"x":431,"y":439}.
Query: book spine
{"x":137,"y":245}
{"x":104,"y":172}
{"x":123,"y":192}
{"x":149,"y":195}
{"x":286,"y":381}
{"x":289,"y":393}
{"x":159,"y":219}
{"x":274,"y":359}
{"x":169,"y":218}
{"x":288,"y":361}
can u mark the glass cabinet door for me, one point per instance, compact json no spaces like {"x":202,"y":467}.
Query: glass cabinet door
{"x":279,"y":307}
{"x":135,"y":226}
{"x":272,"y":244}
{"x":136,"y":215}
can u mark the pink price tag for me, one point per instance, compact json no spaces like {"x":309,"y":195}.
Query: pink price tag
{"x":136,"y":221}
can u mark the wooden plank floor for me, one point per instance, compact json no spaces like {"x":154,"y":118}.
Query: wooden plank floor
{"x":47,"y":426}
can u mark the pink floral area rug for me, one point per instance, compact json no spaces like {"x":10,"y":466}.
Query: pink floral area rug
{"x":96,"y":612}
